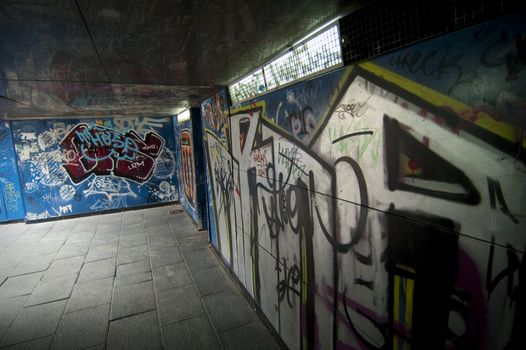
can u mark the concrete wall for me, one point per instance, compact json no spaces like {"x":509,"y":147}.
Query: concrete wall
{"x":78,"y":166}
{"x":379,"y":206}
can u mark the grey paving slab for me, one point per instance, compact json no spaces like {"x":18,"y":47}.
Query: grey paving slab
{"x":192,"y":243}
{"x":10,"y":257}
{"x":133,"y":240}
{"x":165,"y":256}
{"x":90,"y":293}
{"x":36,"y":344}
{"x":101,"y":252}
{"x":132,"y":219}
{"x":134,"y":267}
{"x":111,"y":219}
{"x":56,"y":236}
{"x":254,"y":336}
{"x":133,"y":278}
{"x":81,"y":329}
{"x":2,"y":332}
{"x":228,"y":310}
{"x":32,"y":264}
{"x":46,"y":247}
{"x":71,"y":250}
{"x":192,"y":334}
{"x":63,"y":267}
{"x":200,"y":259}
{"x":156,"y":221}
{"x":162,"y":240}
{"x":138,"y":332}
{"x":34,"y":322}
{"x":184,"y":231}
{"x":106,"y":240}
{"x":179,"y":304}
{"x":80,"y":238}
{"x":107,"y":227}
{"x":212,"y":280}
{"x":19,"y":285}
{"x":158,"y":229}
{"x":97,"y":269}
{"x":171,"y":276}
{"x":82,"y":228}
{"x":132,"y":299}
{"x":92,"y":220}
{"x":128,"y":255}
{"x":52,"y":289}
{"x":137,"y":227}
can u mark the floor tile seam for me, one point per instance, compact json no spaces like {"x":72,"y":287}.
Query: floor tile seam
{"x":130,"y":315}
{"x":156,"y":297}
{"x":245,"y":294}
{"x":94,"y":279}
{"x":24,"y":274}
{"x":91,"y":261}
{"x":207,"y":313}
{"x":24,"y":341}
{"x":182,"y":285}
{"x":58,"y":325}
{"x":81,"y":267}
{"x":85,"y":308}
{"x":132,"y":284}
{"x":257,"y":322}
{"x":183,"y":319}
{"x":14,"y":267}
{"x":64,"y":314}
{"x":106,"y":336}
{"x":46,"y":302}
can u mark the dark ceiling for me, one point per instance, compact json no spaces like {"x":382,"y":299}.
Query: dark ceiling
{"x":129,"y":57}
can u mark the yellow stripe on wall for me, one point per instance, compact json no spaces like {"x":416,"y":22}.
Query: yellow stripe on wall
{"x":438,"y":99}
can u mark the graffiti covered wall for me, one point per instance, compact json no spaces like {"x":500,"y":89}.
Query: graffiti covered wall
{"x":214,"y":111}
{"x":186,"y":162}
{"x":78,"y":166}
{"x":378,"y":212}
{"x":192,"y":178}
{"x":11,"y":204}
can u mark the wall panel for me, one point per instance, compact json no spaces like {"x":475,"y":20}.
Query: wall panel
{"x":79,"y":166}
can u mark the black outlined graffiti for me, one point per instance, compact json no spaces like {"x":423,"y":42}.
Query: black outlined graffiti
{"x":495,"y":192}
{"x":508,"y":272}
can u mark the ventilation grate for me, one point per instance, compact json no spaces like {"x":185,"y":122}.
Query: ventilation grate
{"x":383,"y":26}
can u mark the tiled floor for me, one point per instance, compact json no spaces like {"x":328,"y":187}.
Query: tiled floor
{"x":142,"y":279}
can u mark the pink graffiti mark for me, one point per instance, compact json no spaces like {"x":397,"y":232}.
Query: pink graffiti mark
{"x":343,"y":319}
{"x":101,"y":150}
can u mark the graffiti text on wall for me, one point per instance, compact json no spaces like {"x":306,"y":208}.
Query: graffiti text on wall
{"x":104,"y":151}
{"x":187,"y":166}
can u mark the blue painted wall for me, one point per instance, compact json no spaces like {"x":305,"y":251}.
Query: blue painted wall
{"x":11,"y":204}
{"x":78,"y":166}
{"x":481,"y":66}
{"x":200,"y":175}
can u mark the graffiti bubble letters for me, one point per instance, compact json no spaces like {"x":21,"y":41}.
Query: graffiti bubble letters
{"x":101,"y":150}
